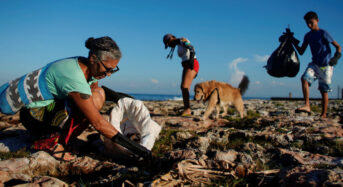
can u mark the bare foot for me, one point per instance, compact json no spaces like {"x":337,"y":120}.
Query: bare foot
{"x":304,"y":109}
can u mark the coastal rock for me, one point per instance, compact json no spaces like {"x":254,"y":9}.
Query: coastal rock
{"x":203,"y":144}
{"x":271,"y":146}
{"x":44,"y":181}
{"x":230,"y":155}
{"x":181,"y":136}
{"x":309,"y":176}
{"x":40,"y":163}
{"x":182,"y":155}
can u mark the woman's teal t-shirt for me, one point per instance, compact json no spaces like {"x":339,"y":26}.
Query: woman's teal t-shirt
{"x":62,"y":77}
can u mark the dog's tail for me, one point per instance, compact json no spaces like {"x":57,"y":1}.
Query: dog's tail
{"x":243,"y":85}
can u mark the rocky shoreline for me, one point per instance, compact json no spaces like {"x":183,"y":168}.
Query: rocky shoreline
{"x":272,"y":145}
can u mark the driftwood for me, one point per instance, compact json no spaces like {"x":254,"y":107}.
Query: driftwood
{"x":196,"y":171}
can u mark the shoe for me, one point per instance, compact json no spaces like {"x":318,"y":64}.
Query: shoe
{"x":55,"y":153}
{"x":302,"y":110}
{"x":186,"y":115}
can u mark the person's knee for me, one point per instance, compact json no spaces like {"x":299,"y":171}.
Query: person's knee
{"x":99,"y":97}
{"x":184,"y":87}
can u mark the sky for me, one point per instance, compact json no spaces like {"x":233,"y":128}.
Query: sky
{"x":231,"y":38}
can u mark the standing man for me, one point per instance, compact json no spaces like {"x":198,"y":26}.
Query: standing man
{"x":321,"y":67}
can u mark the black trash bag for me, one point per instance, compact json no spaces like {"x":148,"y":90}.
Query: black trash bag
{"x":284,"y":60}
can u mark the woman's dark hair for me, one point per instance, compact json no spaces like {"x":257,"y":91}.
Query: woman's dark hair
{"x":103,"y":47}
{"x":310,"y":15}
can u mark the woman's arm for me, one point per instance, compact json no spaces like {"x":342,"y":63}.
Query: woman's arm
{"x":86,"y":105}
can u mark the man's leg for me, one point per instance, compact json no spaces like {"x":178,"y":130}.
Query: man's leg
{"x":325,"y":101}
{"x":306,"y":93}
{"x":325,"y":86}
{"x":306,"y":80}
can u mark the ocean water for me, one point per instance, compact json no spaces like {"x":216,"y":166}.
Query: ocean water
{"x":166,"y":97}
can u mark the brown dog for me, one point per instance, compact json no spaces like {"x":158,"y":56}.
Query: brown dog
{"x":221,"y":94}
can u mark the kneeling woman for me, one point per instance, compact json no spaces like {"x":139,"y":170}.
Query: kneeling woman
{"x":58,"y":101}
{"x":189,"y":63}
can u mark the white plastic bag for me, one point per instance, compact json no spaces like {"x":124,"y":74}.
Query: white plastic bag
{"x":137,"y":120}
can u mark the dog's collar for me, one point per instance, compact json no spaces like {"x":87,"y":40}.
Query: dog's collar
{"x":201,"y":98}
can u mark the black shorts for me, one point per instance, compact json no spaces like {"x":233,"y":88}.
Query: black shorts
{"x":192,"y":63}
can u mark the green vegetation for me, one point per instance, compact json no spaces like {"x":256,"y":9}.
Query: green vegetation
{"x":282,"y":130}
{"x":249,"y":121}
{"x":252,"y":114}
{"x":236,"y":141}
{"x":310,"y":130}
{"x":83,"y":183}
{"x":297,"y":144}
{"x":17,"y":154}
{"x":230,"y":182}
{"x":221,"y":145}
{"x":316,"y":108}
{"x":335,"y":147}
{"x":279,"y":104}
{"x":231,"y":111}
{"x":165,"y":143}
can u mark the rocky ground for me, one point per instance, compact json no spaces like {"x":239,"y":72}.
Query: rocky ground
{"x":271,"y":146}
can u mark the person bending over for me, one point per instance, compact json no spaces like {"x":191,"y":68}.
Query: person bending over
{"x":60,"y":100}
{"x":190,"y":65}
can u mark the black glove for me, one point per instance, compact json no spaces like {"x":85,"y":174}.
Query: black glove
{"x":131,"y":146}
{"x":335,"y":58}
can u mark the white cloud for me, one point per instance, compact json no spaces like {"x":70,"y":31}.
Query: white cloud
{"x":236,"y":74}
{"x":155,"y":81}
{"x":259,"y":58}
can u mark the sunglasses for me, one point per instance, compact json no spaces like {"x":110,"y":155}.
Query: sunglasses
{"x":108,"y":70}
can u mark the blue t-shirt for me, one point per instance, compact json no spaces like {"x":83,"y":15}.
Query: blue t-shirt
{"x":62,"y":77}
{"x":319,"y":42}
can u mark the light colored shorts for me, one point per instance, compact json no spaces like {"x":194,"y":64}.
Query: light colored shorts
{"x":323,"y":74}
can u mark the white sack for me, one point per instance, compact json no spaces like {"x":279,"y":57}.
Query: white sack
{"x":138,"y":121}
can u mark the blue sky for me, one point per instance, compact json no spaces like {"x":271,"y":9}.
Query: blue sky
{"x":231,"y":38}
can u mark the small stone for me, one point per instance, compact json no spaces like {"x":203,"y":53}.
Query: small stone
{"x":263,"y":113}
{"x":204,"y":142}
{"x":173,"y":123}
{"x":230,"y":155}
{"x":180,"y":136}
